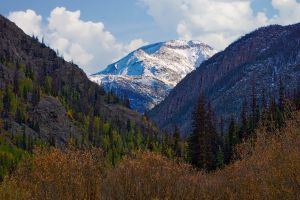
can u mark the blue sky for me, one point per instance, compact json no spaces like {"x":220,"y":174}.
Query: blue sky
{"x":120,"y":26}
{"x":126,"y":19}
{"x":119,"y":16}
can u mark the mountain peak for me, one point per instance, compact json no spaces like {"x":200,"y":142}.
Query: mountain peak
{"x":153,"y":70}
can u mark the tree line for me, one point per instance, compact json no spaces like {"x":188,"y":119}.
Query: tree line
{"x":210,"y":146}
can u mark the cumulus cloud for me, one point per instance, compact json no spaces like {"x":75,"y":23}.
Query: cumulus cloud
{"x":86,"y":43}
{"x":217,"y":22}
{"x":28,"y":20}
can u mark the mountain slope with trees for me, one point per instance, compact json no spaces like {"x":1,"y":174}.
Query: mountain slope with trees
{"x":252,"y":66}
{"x":46,"y":101}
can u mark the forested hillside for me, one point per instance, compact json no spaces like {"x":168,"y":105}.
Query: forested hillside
{"x":259,"y":60}
{"x":46,"y":101}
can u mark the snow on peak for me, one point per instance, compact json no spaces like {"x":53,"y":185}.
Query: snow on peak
{"x":155,"y":68}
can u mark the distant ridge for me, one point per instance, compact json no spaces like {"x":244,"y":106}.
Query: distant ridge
{"x":262,"y":57}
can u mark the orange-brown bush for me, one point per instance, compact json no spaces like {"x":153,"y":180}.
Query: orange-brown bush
{"x":268,"y":168}
{"x":54,"y":174}
{"x":148,"y":176}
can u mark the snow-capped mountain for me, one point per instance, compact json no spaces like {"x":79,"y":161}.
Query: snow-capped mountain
{"x":147,"y":74}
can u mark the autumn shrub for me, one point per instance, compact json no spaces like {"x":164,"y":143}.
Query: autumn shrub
{"x":152,"y":176}
{"x":269,"y":167}
{"x":55,"y":174}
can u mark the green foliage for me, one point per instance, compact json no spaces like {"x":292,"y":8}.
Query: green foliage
{"x":25,"y":86}
{"x":9,"y":158}
{"x":48,"y":85}
{"x":219,"y":162}
{"x":10,"y":101}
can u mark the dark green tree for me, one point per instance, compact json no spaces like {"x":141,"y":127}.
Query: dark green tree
{"x":231,"y":140}
{"x":244,"y":133}
{"x":176,"y":142}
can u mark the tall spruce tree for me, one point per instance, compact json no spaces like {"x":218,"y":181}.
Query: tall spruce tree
{"x":202,"y":141}
{"x":176,"y":142}
{"x":198,"y":131}
{"x":231,"y":140}
{"x":244,"y":133}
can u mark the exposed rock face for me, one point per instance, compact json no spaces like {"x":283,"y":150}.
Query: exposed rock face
{"x":263,"y":56}
{"x":147,"y":74}
{"x":53,"y":121}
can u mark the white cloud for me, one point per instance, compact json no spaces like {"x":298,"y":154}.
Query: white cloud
{"x":217,"y":22}
{"x":134,"y":44}
{"x":289,"y":11}
{"x":86,"y":43}
{"x":28,"y":20}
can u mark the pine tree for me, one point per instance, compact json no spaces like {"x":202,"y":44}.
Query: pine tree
{"x":202,"y":141}
{"x":219,"y":163}
{"x":176,"y":142}
{"x":231,"y":140}
{"x":91,"y":130}
{"x":198,"y":131}
{"x":243,"y":133}
{"x":213,"y":137}
{"x":264,"y":109}
{"x":281,"y":101}
{"x":255,"y":108}
{"x":271,"y":115}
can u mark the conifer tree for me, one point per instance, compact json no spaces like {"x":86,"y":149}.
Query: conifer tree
{"x":243,"y":133}
{"x":176,"y":142}
{"x":231,"y":140}
{"x":254,"y":108}
{"x":211,"y":131}
{"x":198,"y":131}
{"x":264,"y":109}
{"x":281,"y":101}
{"x":219,"y":163}
{"x":203,"y":138}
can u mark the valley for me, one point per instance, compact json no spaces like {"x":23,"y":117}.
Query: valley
{"x":180,"y":119}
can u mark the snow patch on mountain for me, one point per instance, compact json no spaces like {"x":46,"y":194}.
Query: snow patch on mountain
{"x":147,"y":74}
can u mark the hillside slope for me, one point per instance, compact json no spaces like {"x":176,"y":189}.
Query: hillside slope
{"x":46,"y":97}
{"x":258,"y":60}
